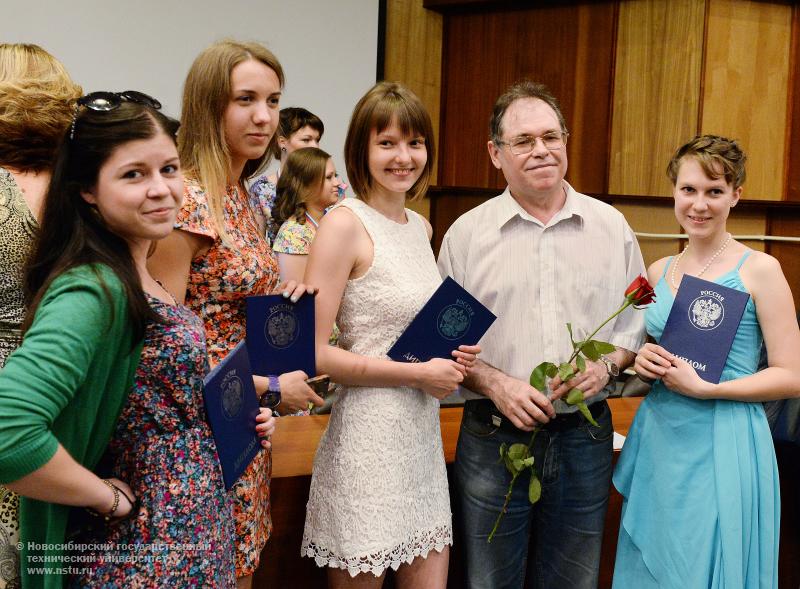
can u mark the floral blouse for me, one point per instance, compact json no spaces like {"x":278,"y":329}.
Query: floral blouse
{"x":221,"y":279}
{"x":262,"y":200}
{"x":294,"y":237}
{"x":262,"y":195}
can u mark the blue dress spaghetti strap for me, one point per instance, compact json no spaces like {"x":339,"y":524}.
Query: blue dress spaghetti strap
{"x":699,"y":479}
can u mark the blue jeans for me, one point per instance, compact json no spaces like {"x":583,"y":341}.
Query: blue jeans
{"x":558,"y":540}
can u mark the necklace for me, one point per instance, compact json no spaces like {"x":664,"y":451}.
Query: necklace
{"x":706,"y":267}
{"x":313,"y":221}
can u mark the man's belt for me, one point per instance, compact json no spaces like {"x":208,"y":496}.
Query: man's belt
{"x":486,"y":412}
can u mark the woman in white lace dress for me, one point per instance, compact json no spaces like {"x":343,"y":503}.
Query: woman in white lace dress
{"x":379,"y":494}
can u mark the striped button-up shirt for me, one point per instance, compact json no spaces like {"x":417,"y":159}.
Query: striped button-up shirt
{"x":536,"y":277}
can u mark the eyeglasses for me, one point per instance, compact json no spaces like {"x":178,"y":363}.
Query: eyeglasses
{"x":524,"y":144}
{"x":106,"y":101}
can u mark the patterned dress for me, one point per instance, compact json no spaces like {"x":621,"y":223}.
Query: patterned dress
{"x":17,"y":229}
{"x":219,"y":283}
{"x":262,"y":201}
{"x":294,"y":237}
{"x":163,"y":448}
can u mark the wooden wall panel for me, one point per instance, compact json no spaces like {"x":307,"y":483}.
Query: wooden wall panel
{"x":652,"y":218}
{"x":793,"y":118}
{"x":414,"y":57}
{"x":749,"y":222}
{"x":656,"y":91}
{"x":568,"y":46}
{"x":787,"y":223}
{"x":746,"y":86}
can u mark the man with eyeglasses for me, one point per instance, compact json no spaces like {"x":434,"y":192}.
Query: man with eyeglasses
{"x":539,"y":255}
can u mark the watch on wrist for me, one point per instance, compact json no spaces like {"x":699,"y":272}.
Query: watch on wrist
{"x":611,"y":367}
{"x":271,"y":398}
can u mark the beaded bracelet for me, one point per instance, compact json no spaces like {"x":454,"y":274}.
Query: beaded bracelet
{"x":107,"y":516}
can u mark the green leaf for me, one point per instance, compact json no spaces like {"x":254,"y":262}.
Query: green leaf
{"x":552,"y":370}
{"x":518,"y":451}
{"x":604,"y":347}
{"x":534,"y":489}
{"x":528,"y":462}
{"x":581,"y":363}
{"x":590,"y":351}
{"x":565,"y":371}
{"x":574,"y":396}
{"x":571,"y":338}
{"x":509,"y":464}
{"x":503,"y":450}
{"x":539,"y":375}
{"x":586,"y":413}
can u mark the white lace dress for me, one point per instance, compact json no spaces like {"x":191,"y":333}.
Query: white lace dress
{"x":379,"y":495}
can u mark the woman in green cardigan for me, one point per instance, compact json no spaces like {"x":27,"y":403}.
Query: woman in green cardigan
{"x":97,"y":332}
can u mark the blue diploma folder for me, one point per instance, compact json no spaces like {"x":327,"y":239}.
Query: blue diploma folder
{"x":232,"y":407}
{"x":702,"y":324}
{"x":450,"y":318}
{"x":280,"y":335}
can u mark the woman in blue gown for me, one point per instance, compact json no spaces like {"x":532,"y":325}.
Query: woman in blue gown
{"x":698,"y":473}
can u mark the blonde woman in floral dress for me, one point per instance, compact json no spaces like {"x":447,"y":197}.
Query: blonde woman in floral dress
{"x":218,"y":256}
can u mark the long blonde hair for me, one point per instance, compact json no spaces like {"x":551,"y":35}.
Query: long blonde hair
{"x":37,"y":103}
{"x":204,"y":153}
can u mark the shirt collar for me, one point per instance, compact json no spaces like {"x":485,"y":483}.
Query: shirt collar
{"x":509,"y":209}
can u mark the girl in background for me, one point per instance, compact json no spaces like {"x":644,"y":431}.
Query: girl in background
{"x":217,"y":255}
{"x":307,"y":187}
{"x":37,"y":101}
{"x":297,"y":128}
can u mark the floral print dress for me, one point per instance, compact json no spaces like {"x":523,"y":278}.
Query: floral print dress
{"x":262,"y":201}
{"x":163,"y":448}
{"x":294,"y":237}
{"x":220,"y":280}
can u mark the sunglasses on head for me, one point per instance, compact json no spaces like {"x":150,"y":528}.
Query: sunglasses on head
{"x":103,"y":101}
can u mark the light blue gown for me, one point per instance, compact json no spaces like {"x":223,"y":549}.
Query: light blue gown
{"x":699,"y":479}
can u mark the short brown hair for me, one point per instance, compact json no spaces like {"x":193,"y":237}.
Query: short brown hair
{"x":522,"y":89}
{"x":384,"y":103}
{"x":37,"y":103}
{"x":302,"y":173}
{"x":718,"y":156}
{"x":294,"y":118}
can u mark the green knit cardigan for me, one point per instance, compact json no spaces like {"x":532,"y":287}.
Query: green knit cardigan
{"x":67,"y":384}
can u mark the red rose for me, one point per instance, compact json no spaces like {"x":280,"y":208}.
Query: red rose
{"x":639,"y":292}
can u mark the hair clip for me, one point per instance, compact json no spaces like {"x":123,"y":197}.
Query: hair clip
{"x":74,"y":121}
